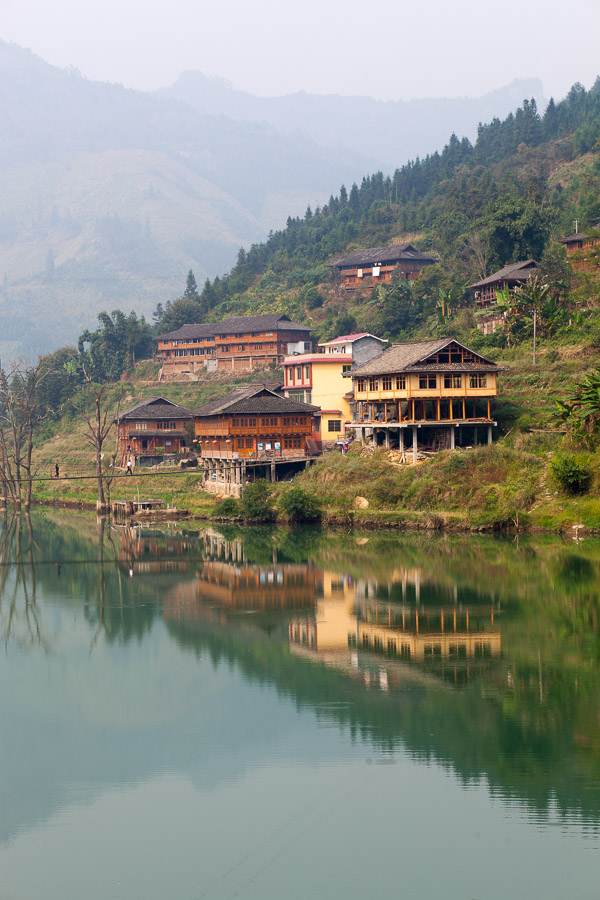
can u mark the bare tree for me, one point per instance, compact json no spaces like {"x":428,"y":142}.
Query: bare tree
{"x":475,"y":251}
{"x":99,"y":423}
{"x":19,"y":413}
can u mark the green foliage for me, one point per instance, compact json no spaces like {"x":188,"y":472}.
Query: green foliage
{"x":256,"y":502}
{"x":580,"y":413}
{"x":227,"y":508}
{"x":310,"y":297}
{"x":345,"y":324}
{"x":300,"y":505}
{"x":112,"y":348}
{"x":572,"y":472}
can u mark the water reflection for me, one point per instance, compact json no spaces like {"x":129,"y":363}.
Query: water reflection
{"x":151,"y":650}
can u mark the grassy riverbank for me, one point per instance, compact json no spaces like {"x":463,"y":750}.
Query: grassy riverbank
{"x":490,"y":488}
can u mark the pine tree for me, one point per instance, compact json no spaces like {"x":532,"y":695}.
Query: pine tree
{"x":191,"y":288}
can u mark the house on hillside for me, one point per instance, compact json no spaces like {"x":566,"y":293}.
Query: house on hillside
{"x":186,"y":351}
{"x":319,"y":378}
{"x":151,"y":430}
{"x":577,"y":244}
{"x":240,"y":343}
{"x":254,"y":422}
{"x":512,"y":276}
{"x":427,"y":394}
{"x":376,"y":265}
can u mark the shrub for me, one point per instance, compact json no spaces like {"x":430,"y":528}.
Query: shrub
{"x":299,"y":505}
{"x":227,"y":508}
{"x":256,"y":502}
{"x":572,"y":472}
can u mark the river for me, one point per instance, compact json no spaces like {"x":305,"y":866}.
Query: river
{"x":216,"y":712}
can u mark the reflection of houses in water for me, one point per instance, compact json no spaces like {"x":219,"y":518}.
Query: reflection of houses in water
{"x":350,"y":620}
{"x":146,"y":552}
{"x":216,"y":546}
{"x":278,"y":586}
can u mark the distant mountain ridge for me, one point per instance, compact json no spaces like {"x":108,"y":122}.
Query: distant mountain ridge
{"x":390,"y":132}
{"x":109,"y":196}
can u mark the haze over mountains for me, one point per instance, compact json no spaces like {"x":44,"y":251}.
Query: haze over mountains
{"x":389,"y":132}
{"x":108,"y":196}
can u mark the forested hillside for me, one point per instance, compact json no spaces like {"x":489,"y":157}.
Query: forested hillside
{"x":478,"y":206}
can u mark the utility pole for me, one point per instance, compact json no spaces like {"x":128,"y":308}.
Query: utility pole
{"x":534,"y":332}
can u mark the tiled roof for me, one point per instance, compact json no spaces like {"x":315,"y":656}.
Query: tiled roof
{"x":155,"y":408}
{"x":393,"y":253}
{"x":235,"y":325}
{"x":352,"y":337}
{"x":188,"y":332}
{"x":253,"y":399}
{"x":519,"y":271}
{"x":413,"y":357}
{"x":578,"y":236}
{"x":249,"y":324}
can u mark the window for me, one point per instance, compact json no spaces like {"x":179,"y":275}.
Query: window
{"x":361,"y":385}
{"x":334,"y":425}
{"x":478,"y":381}
{"x":452,"y":381}
{"x":400,"y":382}
{"x":166,"y":425}
{"x":307,"y":372}
{"x":347,"y":367}
{"x":387,"y":383}
{"x":427,"y":382}
{"x":373,"y":384}
{"x":141,"y":426}
{"x":298,"y":373}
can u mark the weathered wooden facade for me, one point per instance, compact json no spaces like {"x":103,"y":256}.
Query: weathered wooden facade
{"x":238,"y":343}
{"x":428,"y":394}
{"x":254,"y":423}
{"x":374,"y":265}
{"x":151,"y":430}
{"x":512,"y":276}
{"x":578,"y":246}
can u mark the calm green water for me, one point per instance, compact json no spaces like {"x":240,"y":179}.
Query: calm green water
{"x":279,"y":714}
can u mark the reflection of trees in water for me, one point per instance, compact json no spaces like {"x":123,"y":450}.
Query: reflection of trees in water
{"x":20,"y":620}
{"x":520,"y":756}
{"x":530,"y":725}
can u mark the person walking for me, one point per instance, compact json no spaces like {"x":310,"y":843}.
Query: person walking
{"x":56,"y":470}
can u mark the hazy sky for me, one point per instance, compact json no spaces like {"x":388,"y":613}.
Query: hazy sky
{"x":393,"y":50}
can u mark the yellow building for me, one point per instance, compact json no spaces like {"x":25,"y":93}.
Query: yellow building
{"x":348,"y":622}
{"x":318,"y":378}
{"x":433,"y":394}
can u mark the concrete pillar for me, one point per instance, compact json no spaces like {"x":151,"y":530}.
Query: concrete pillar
{"x":475,"y":438}
{"x":387,"y":438}
{"x":414,"y":431}
{"x":273,"y":472}
{"x":452,"y":439}
{"x":489,"y":434}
